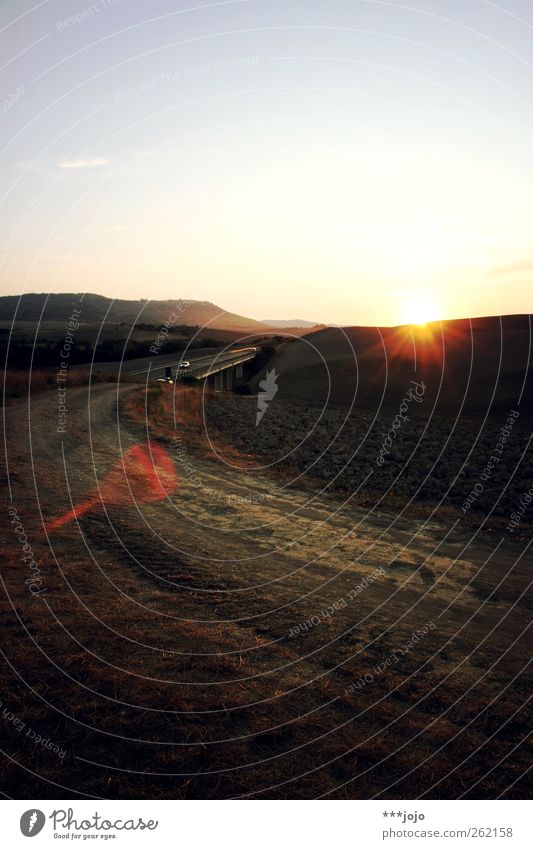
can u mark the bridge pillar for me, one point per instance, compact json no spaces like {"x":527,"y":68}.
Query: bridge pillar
{"x":218,"y":381}
{"x":229,"y":378}
{"x":238,"y":371}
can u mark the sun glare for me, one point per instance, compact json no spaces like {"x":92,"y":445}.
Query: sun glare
{"x":420,"y":310}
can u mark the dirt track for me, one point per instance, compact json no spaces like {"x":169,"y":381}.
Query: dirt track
{"x":230,"y":630}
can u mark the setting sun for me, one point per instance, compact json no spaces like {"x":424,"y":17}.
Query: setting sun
{"x":420,"y":309}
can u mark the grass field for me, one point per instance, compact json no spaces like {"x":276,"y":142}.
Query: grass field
{"x":245,"y":638}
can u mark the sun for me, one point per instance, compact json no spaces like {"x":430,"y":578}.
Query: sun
{"x":420,"y":309}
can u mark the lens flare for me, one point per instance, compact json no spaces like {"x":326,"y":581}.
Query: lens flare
{"x":145,"y":473}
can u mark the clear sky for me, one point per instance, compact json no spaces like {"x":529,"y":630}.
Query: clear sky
{"x":346,"y":161}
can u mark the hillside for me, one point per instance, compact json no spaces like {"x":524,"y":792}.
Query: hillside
{"x":98,"y":309}
{"x":468,"y":366}
{"x":291,"y":322}
{"x":403,"y":417}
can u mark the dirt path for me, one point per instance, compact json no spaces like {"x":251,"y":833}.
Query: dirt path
{"x":236,"y":609}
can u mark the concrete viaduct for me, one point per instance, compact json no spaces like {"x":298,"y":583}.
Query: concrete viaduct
{"x":221,"y":371}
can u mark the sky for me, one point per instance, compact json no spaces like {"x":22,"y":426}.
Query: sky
{"x":348,"y":161}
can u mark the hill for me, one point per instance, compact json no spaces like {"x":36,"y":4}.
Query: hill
{"x":422,"y":418}
{"x":291,"y":322}
{"x":99,"y":309}
{"x":467,"y":366}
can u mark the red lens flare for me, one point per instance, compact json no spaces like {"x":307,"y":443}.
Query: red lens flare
{"x":145,"y":473}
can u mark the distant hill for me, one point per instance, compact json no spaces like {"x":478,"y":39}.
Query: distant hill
{"x":97,"y":308}
{"x":468,"y":366}
{"x":291,"y":322}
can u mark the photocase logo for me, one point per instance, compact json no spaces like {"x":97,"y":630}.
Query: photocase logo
{"x":268,"y":388}
{"x":32,"y":822}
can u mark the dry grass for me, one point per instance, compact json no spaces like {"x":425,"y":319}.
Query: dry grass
{"x":179,"y":411}
{"x":119,"y":668}
{"x":16,"y":382}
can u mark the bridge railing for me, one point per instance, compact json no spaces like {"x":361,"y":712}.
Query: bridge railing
{"x":214,"y":368}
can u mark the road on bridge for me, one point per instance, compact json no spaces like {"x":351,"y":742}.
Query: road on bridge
{"x":155,"y":366}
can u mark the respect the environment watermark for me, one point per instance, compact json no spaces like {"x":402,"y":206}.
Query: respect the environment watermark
{"x":11,"y":99}
{"x":35,"y":204}
{"x":186,"y":73}
{"x":86,"y":14}
{"x":193,"y":476}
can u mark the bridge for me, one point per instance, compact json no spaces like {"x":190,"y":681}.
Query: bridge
{"x":222,"y":368}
